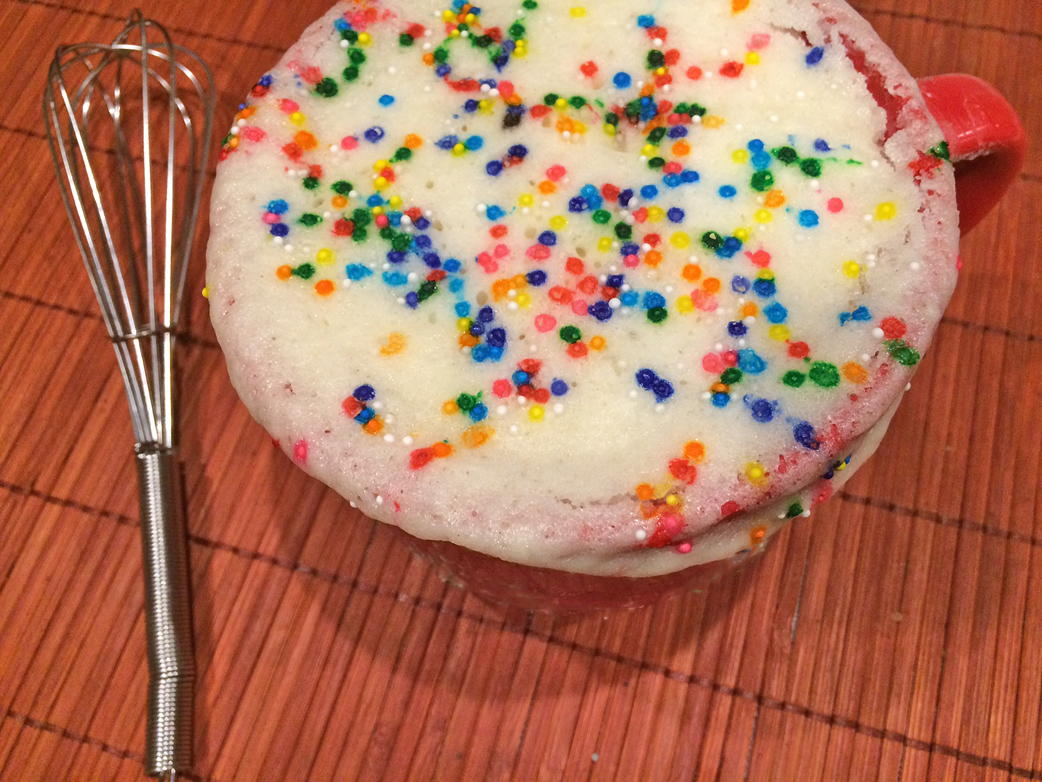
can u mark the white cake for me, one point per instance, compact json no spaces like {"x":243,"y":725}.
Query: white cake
{"x":612,"y":289}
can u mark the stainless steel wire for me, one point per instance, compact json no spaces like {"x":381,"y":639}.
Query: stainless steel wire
{"x":129,"y":126}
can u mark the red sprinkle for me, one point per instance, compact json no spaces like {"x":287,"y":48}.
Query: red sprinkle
{"x":893,"y":328}
{"x":731,"y":70}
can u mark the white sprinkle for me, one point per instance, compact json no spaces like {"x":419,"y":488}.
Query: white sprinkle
{"x":659,"y":408}
{"x":413,"y":277}
{"x":352,"y":503}
{"x":480,"y":208}
{"x":501,"y":410}
{"x":513,"y":429}
{"x":377,"y":405}
{"x":633,"y":394}
{"x":407,"y":440}
{"x":877,"y":333}
{"x":521,"y":399}
{"x":806,"y":514}
{"x":493,"y":93}
{"x":640,"y":534}
{"x":235,"y":131}
{"x":914,"y":266}
{"x":392,"y":70}
{"x":513,"y":305}
{"x":388,"y":438}
{"x":725,"y":53}
{"x":773,"y":118}
{"x":343,"y":43}
{"x":277,"y":240}
{"x":289,"y":248}
{"x":874,"y":164}
{"x":749,"y":321}
{"x":379,"y":499}
{"x":706,"y":396}
{"x":801,"y":95}
{"x":908,"y":387}
{"x":327,"y":215}
{"x":558,"y":408}
{"x":614,"y":303}
{"x":868,"y":218}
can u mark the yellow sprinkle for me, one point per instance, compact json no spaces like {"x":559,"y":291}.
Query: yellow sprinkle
{"x":463,"y":325}
{"x":886,"y":211}
{"x":742,"y":234}
{"x":763,"y":216}
{"x":597,"y":343}
{"x":609,"y":130}
{"x":755,"y":473}
{"x":450,"y":407}
{"x":765,"y":274}
{"x":365,"y":39}
{"x":470,"y":19}
{"x":752,"y":58}
{"x":394,"y":202}
{"x":447,"y":16}
{"x":454,"y":33}
{"x":381,"y":183}
{"x":680,"y":240}
{"x":526,"y":200}
{"x":852,"y":269}
{"x":523,"y":300}
{"x":713,"y":121}
{"x":648,"y":150}
{"x":779,"y":332}
{"x":206,"y":292}
{"x":578,"y":127}
{"x":560,"y":103}
{"x":577,"y":11}
{"x":536,"y":412}
{"x":660,"y":71}
{"x":377,"y":211}
{"x":655,"y":214}
{"x":685,"y":305}
{"x":604,"y":244}
{"x":740,"y":156}
{"x":485,"y":106}
{"x":296,"y":118}
{"x":841,"y":467}
{"x":325,"y":256}
{"x":459,"y":150}
{"x":557,"y":222}
{"x":672,"y":500}
{"x":380,"y":165}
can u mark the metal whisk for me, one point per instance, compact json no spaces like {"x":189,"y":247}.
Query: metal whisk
{"x":129,"y":126}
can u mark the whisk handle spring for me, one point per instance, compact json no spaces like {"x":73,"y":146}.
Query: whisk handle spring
{"x":168,"y":616}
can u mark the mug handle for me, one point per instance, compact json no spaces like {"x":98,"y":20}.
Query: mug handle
{"x":985,"y":139}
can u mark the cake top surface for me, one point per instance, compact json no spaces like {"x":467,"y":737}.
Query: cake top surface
{"x":561,"y":282}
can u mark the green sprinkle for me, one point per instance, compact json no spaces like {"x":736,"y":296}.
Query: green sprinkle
{"x":577,"y":101}
{"x":793,"y":379}
{"x":794,"y":510}
{"x":762,"y":181}
{"x":405,"y":40}
{"x":731,"y":375}
{"x":401,"y":242}
{"x":711,"y":240}
{"x":530,"y":5}
{"x":612,"y":118}
{"x":310,"y":182}
{"x":428,"y":289}
{"x":602,"y":216}
{"x":441,"y":54}
{"x":516,"y":30}
{"x":342,"y":187}
{"x":824,"y":374}
{"x":362,"y":217}
{"x":350,"y":73}
{"x":350,"y":36}
{"x":360,"y":234}
{"x":657,"y":314}
{"x":327,"y":88}
{"x":357,"y":56}
{"x":811,"y":167}
{"x":786,"y":155}
{"x":656,"y":59}
{"x":623,"y":231}
{"x":386,"y":232}
{"x":402,"y":153}
{"x":483,"y":41}
{"x":467,"y":402}
{"x":551,"y":98}
{"x":941,"y":151}
{"x":309,"y":219}
{"x":305,"y":271}
{"x":570,"y":334}
{"x":656,"y":162}
{"x":902,"y":353}
{"x":656,"y":135}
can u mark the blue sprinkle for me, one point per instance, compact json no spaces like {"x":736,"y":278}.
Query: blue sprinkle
{"x":740,"y":284}
{"x":518,"y":151}
{"x":645,"y":20}
{"x":600,"y":310}
{"x":474,"y":143}
{"x":374,"y":134}
{"x":672,"y":180}
{"x":764,"y":288}
{"x":386,"y":100}
{"x":478,"y":412}
{"x":675,"y":215}
{"x":663,"y":390}
{"x":493,"y":168}
{"x":625,"y":197}
{"x":374,"y":200}
{"x":804,"y":434}
{"x":588,"y":190}
{"x":356,"y":271}
{"x":646,"y":378}
{"x":761,"y":160}
{"x":821,"y":145}
{"x":520,"y":377}
{"x":278,"y":207}
{"x":808,"y":218}
{"x":422,"y":240}
{"x":861,"y":313}
{"x":689,"y":177}
{"x":536,"y":277}
{"x":653,"y":299}
{"x":756,"y":145}
{"x":365,"y":416}
{"x":452,"y":265}
{"x":622,"y":80}
{"x":364,"y":393}
{"x":750,"y":362}
{"x":455,"y":284}
{"x":814,"y":55}
{"x":395,"y":278}
{"x":577,"y":204}
{"x":736,"y":328}
{"x":728,"y":191}
{"x":677,"y":131}
{"x":762,"y":410}
{"x":629,"y":249}
{"x":421,"y":223}
{"x":730,"y":247}
{"x":775,"y":312}
{"x":614,"y":281}
{"x":843,"y":318}
{"x":442,"y":70}
{"x":412,"y":299}
{"x":494,"y":212}
{"x":396,"y":256}
{"x":462,"y":309}
{"x":558,"y":387}
{"x":495,"y":353}
{"x":480,"y":353}
{"x":340,"y":24}
{"x":447,"y":142}
{"x":629,"y":298}
{"x":721,"y":400}
{"x":497,"y":338}
{"x":279,"y":229}
{"x":486,"y":315}
{"x":648,"y":192}
{"x":470,"y":106}
{"x":432,"y":259}
{"x":547,"y":238}
{"x":477,"y":328}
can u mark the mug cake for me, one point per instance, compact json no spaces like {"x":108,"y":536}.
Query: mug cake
{"x":582,"y":298}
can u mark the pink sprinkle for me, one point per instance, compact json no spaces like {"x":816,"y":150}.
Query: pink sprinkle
{"x":685,"y":547}
{"x":712,"y":363}
{"x":382,"y":221}
{"x":485,"y":262}
{"x":501,"y":388}
{"x":270,"y":218}
{"x":300,"y":452}
{"x":349,"y":142}
{"x":580,"y":307}
{"x":760,"y":258}
{"x":835,"y":205}
{"x":759,"y":41}
{"x":253,"y":133}
{"x":631,"y":261}
{"x":641,"y":214}
{"x":501,"y":251}
{"x":731,"y":358}
{"x":538,"y":252}
{"x":555,"y":173}
{"x":288,"y":106}
{"x":958,"y":264}
{"x":545,"y":322}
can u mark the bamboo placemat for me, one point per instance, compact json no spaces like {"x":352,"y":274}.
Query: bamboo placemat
{"x":895,"y":635}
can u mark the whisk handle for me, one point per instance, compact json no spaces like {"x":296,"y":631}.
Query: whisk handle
{"x":168,"y":615}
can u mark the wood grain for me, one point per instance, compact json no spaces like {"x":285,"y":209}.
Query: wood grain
{"x":896,"y":635}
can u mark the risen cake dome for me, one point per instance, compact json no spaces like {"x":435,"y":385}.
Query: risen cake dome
{"x":611,"y":288}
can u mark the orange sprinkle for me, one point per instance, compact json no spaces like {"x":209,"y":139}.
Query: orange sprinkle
{"x":374,"y":425}
{"x":450,"y":407}
{"x":681,"y":148}
{"x":855,"y":373}
{"x":775,"y":198}
{"x":749,"y":309}
{"x":428,"y":58}
{"x":324,"y":287}
{"x":719,"y":388}
{"x":477,"y":436}
{"x":691,"y":272}
{"x":645,"y":492}
{"x":546,"y":186}
{"x":500,"y":289}
{"x":711,"y":284}
{"x":339,"y":202}
{"x":737,"y":6}
{"x":518,"y":281}
{"x":412,"y":141}
{"x":395,"y":344}
{"x":757,"y":535}
{"x":467,"y":340}
{"x":284,"y":272}
{"x":646,"y":90}
{"x":305,"y":140}
{"x":653,"y":258}
{"x":233,"y":142}
{"x":597,"y":343}
{"x":441,"y":449}
{"x":694,"y":450}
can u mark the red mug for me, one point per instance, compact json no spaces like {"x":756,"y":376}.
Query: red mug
{"x":985,"y":139}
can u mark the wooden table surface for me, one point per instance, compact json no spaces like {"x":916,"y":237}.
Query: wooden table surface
{"x":895,"y":635}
